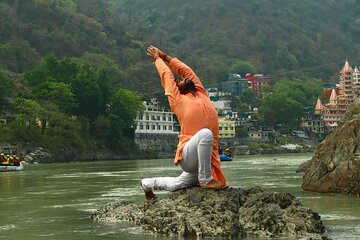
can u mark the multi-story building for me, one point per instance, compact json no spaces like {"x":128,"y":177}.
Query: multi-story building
{"x":318,"y":125}
{"x":226,"y":128}
{"x":220,"y":103}
{"x":356,"y":77}
{"x":313,"y":121}
{"x":334,"y":111}
{"x":157,"y":131}
{"x":235,"y":84}
{"x":156,"y":120}
{"x":258,"y":81}
{"x":226,"y":116}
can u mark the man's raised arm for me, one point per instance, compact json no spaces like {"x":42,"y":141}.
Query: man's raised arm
{"x":182,"y":70}
{"x":167,"y":78}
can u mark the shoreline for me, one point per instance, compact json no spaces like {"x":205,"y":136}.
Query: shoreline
{"x":39,"y":158}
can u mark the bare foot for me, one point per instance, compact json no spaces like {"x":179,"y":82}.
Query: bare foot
{"x":149,"y":195}
{"x":213,"y":184}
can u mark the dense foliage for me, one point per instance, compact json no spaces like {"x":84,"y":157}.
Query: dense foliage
{"x":69,"y":105}
{"x":285,"y":105}
{"x":286,"y":39}
{"x":101,"y":44}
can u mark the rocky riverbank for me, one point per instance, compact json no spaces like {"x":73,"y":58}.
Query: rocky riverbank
{"x":231,"y":213}
{"x":41,"y":155}
{"x":335,"y":166}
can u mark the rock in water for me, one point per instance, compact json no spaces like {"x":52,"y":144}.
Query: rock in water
{"x":230,"y":213}
{"x":335,"y":167}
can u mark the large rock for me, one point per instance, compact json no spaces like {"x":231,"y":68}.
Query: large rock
{"x":37,"y":156}
{"x":231,"y":213}
{"x":335,"y":167}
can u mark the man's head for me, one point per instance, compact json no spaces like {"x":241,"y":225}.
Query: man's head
{"x":185,"y":85}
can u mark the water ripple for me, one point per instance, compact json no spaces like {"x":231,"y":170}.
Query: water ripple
{"x":7,"y":227}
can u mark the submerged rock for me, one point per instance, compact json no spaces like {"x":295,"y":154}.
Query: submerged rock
{"x":335,"y":166}
{"x":230,"y":213}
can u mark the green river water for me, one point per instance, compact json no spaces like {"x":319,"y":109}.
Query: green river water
{"x":54,"y":201}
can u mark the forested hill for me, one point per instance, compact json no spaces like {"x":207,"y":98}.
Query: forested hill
{"x":283,"y":38}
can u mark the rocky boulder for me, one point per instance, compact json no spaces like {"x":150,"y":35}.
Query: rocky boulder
{"x":335,"y":166}
{"x":38,"y":155}
{"x":230,"y":213}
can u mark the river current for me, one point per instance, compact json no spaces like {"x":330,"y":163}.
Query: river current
{"x":54,"y":201}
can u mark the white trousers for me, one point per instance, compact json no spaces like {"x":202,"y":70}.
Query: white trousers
{"x":195,"y":163}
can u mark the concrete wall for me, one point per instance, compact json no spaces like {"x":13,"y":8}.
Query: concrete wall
{"x":164,"y":145}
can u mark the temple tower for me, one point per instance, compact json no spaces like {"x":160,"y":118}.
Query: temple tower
{"x":334,"y":111}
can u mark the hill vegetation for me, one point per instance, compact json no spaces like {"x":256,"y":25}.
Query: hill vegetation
{"x":286,"y":39}
{"x":91,"y":54}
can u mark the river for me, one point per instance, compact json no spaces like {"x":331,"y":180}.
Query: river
{"x":54,"y":201}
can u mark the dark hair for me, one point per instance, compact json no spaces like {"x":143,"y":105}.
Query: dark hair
{"x":188,"y":86}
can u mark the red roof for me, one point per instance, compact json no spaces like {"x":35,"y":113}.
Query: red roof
{"x":327,"y":92}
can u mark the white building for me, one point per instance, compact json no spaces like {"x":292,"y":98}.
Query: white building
{"x":156,"y":120}
{"x":356,"y":77}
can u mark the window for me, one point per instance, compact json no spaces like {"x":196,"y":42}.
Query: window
{"x":153,"y":127}
{"x":141,"y":127}
{"x":170,"y":127}
{"x":164,"y":127}
{"x":158,"y":127}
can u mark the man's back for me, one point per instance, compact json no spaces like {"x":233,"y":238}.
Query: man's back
{"x":196,"y":112}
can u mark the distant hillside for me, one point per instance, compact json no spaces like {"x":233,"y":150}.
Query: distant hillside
{"x":283,"y":38}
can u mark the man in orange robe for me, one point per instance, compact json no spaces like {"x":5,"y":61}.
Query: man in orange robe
{"x":197,"y":151}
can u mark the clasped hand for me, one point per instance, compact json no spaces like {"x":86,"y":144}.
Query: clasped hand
{"x":153,"y":52}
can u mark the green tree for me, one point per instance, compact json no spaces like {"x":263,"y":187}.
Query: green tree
{"x":248,"y":96}
{"x":6,"y":90}
{"x":17,"y":55}
{"x":237,"y":105}
{"x":115,"y":74}
{"x":90,"y":96}
{"x":241,"y":132}
{"x":242,"y":67}
{"x":28,"y":111}
{"x":52,"y":117}
{"x":41,"y":73}
{"x":52,"y":70}
{"x":125,"y":105}
{"x":264,"y":91}
{"x":57,"y":93}
{"x":278,"y":108}
{"x":304,"y":92}
{"x":291,"y":89}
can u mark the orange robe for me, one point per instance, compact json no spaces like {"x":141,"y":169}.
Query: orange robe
{"x":193,"y":112}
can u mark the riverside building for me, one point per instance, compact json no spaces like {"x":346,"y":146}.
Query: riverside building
{"x":349,"y":85}
{"x":157,"y":131}
{"x":156,"y":120}
{"x":227,"y":118}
